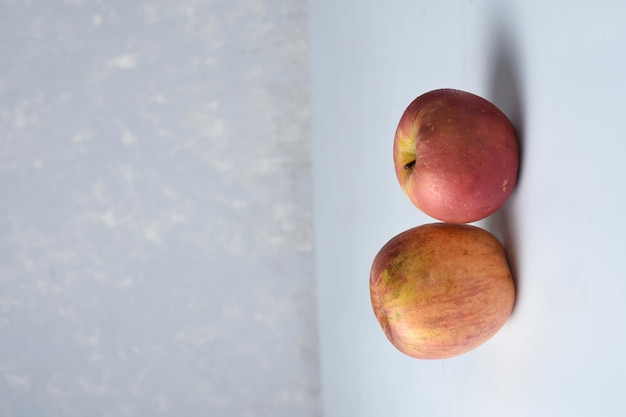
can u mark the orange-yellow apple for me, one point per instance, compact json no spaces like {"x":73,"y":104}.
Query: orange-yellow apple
{"x":456,"y":155}
{"x":441,"y":289}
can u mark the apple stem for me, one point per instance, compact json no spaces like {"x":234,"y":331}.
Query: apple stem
{"x":409,"y":165}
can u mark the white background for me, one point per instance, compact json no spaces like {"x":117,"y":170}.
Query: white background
{"x":558,"y":69}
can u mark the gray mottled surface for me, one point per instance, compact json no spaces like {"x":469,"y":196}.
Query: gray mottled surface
{"x":156,"y":249}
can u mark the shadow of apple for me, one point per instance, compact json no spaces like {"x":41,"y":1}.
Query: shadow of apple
{"x":506,"y":92}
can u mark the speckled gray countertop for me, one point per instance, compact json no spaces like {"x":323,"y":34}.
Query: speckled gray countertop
{"x":156,"y":248}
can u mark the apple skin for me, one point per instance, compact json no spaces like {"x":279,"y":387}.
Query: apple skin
{"x":456,"y":155}
{"x":440,"y":290}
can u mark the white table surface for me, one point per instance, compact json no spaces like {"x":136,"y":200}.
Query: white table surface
{"x":558,"y":69}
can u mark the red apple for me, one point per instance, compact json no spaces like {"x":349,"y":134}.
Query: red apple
{"x":456,"y":155}
{"x":441,"y":289}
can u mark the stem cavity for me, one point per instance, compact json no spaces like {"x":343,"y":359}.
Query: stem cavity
{"x":410,"y":165}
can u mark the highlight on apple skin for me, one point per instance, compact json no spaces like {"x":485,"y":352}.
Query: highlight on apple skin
{"x":456,"y":155}
{"x":440,"y":290}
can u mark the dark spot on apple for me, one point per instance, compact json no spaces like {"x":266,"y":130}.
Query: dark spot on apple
{"x":410,"y":165}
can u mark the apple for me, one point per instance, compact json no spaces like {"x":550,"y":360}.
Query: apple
{"x":441,"y":289}
{"x":456,"y":155}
